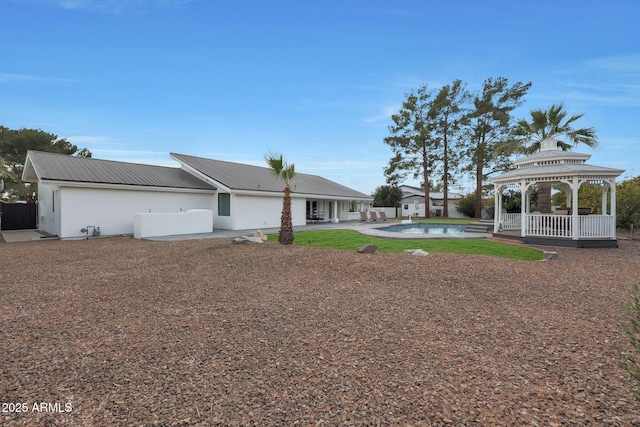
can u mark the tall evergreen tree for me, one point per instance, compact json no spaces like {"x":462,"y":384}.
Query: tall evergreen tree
{"x":489,"y":128}
{"x":447,"y":115}
{"x":412,"y":141}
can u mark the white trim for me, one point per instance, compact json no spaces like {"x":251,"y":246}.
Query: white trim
{"x":124,"y":187}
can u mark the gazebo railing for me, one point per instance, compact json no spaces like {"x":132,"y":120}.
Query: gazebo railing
{"x":596,"y":226}
{"x":510,"y":221}
{"x":545,"y":225}
{"x":550,"y":225}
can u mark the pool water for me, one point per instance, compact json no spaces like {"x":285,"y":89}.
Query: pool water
{"x":426,"y":228}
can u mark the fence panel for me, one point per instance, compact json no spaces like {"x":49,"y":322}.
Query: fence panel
{"x":19,"y":216}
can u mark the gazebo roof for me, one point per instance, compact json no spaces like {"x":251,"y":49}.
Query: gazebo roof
{"x":551,"y":164}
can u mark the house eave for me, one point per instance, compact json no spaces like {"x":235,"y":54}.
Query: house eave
{"x":296,"y":195}
{"x":108,"y":186}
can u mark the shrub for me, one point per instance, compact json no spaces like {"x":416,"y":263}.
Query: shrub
{"x":632,"y":331}
{"x":467,"y":205}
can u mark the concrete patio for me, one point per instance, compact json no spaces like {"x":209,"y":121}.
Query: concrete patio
{"x":368,"y":228}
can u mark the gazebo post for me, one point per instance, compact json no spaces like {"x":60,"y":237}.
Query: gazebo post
{"x":604,"y":187}
{"x":523,"y":197}
{"x":613,"y":208}
{"x":575,"y":185}
{"x":497,"y":209}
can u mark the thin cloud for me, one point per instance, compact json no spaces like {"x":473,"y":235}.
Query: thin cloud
{"x":337,"y":165}
{"x":624,"y":64}
{"x":87,"y":139}
{"x":610,"y":81}
{"x":384,"y":115}
{"x":112,"y":6}
{"x":12,"y":78}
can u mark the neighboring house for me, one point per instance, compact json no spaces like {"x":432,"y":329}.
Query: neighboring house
{"x":413,"y":202}
{"x":77,"y":192}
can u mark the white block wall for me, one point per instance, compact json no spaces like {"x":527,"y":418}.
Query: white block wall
{"x":113,"y":210}
{"x":172,"y":224}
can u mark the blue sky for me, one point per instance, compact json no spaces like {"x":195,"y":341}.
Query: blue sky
{"x":317,"y":81}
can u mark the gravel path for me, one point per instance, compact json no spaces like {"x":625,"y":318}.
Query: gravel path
{"x":117,"y":331}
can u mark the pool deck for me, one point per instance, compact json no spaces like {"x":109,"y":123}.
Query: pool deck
{"x":368,"y":228}
{"x":374,"y":229}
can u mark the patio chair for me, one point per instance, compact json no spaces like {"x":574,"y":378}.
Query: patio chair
{"x":317,"y":216}
{"x":383,"y":215}
{"x":374,"y":216}
{"x":363,"y":216}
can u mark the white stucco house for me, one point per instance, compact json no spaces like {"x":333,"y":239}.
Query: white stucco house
{"x":78,"y":193}
{"x":413,"y":202}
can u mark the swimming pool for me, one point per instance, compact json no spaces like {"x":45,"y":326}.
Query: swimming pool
{"x":426,"y":228}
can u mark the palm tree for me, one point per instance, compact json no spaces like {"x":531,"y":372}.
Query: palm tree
{"x":286,"y":172}
{"x":544,"y":124}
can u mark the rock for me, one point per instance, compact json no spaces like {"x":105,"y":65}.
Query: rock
{"x":367,"y":249}
{"x":261,"y":235}
{"x":550,"y":255}
{"x":417,"y":252}
{"x":247,"y":239}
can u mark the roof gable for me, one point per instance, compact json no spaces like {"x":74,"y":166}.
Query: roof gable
{"x":61,"y":167}
{"x":409,"y":191}
{"x":242,"y":177}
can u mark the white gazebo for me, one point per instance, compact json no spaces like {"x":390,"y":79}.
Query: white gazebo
{"x":573,"y":226}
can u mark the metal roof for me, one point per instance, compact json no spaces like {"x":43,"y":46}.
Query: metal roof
{"x":411,"y":191}
{"x":61,"y":167}
{"x":237,"y":176}
{"x":434,"y":195}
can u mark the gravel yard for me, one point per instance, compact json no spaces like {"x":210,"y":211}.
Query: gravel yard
{"x":116,"y":331}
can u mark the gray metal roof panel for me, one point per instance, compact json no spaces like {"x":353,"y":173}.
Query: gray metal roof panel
{"x":60,"y":167}
{"x":239,"y":176}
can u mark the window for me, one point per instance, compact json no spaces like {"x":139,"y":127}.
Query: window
{"x":224,"y":204}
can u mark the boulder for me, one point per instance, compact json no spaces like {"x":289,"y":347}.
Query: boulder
{"x":367,"y":249}
{"x":550,"y":255}
{"x":261,"y":235}
{"x":417,"y":252}
{"x":247,"y":239}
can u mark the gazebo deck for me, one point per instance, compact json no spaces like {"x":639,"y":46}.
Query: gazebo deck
{"x":557,"y":241}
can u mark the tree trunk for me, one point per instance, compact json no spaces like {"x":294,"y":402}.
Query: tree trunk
{"x":544,"y":197}
{"x":426,"y":185}
{"x":285,"y":236}
{"x":445,"y":186}
{"x":479,"y":168}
